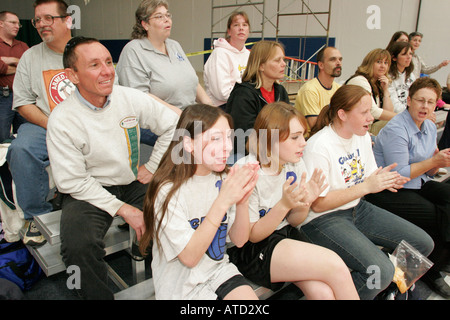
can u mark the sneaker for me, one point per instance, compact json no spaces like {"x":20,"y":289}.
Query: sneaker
{"x":33,"y":236}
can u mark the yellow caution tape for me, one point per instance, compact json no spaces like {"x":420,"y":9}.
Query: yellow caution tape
{"x":198,"y":53}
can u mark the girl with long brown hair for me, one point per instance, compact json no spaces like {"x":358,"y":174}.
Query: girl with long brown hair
{"x":187,"y":211}
{"x":340,"y":219}
{"x":401,"y":73}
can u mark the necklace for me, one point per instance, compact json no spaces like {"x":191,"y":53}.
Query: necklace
{"x":344,"y":142}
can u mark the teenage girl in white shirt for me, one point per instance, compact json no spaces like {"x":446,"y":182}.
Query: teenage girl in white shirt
{"x":280,"y":201}
{"x":187,"y":209}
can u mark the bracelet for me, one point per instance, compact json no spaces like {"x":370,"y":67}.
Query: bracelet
{"x":209,"y":220}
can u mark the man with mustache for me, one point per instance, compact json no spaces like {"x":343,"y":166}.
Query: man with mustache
{"x":316,"y":93}
{"x":40,"y":84}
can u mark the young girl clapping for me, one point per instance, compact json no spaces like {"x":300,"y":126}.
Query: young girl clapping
{"x":280,"y":201}
{"x":187,"y":208}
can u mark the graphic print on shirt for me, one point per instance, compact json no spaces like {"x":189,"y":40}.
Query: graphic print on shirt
{"x":403,"y":90}
{"x":179,"y":57}
{"x":352,"y":168}
{"x":263,"y":212}
{"x":58,"y":86}
{"x":216,"y":249}
{"x":241,"y":69}
{"x":131,"y":128}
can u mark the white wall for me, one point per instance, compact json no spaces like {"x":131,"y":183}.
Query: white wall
{"x":348,"y":25}
{"x":113,"y":19}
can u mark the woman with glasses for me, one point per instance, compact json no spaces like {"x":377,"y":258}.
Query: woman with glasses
{"x":409,"y":140}
{"x":155,"y":64}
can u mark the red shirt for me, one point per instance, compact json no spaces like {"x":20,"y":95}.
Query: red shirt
{"x":16,"y":50}
{"x":269,"y":96}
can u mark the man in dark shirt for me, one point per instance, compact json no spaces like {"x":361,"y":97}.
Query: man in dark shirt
{"x":10,"y":52}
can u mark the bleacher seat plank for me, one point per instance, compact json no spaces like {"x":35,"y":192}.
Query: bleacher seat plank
{"x":144,"y":290}
{"x":48,"y":225}
{"x":49,"y":258}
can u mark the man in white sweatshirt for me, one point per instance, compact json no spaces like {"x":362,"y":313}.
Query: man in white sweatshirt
{"x":93,"y":144}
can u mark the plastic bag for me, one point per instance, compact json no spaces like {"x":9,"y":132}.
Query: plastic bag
{"x":409,"y":264}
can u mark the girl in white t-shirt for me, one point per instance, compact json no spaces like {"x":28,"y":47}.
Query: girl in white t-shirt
{"x":187,"y":210}
{"x":341,"y":219}
{"x":280,"y":201}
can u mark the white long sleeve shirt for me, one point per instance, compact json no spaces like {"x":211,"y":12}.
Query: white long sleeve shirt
{"x":91,"y":149}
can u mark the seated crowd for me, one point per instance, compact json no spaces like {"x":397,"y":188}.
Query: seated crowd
{"x":241,"y":185}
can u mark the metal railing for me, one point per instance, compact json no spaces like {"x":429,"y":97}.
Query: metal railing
{"x":298,"y":70}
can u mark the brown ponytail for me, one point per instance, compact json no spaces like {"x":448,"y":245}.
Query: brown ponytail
{"x":345,"y":98}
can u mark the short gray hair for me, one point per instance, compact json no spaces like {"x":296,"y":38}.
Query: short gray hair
{"x":143,"y":13}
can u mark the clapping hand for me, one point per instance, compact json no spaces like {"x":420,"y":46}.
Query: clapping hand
{"x":385,"y":179}
{"x":239,"y":183}
{"x":315,"y":186}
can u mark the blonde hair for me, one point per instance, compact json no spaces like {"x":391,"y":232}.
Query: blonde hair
{"x":260,"y":53}
{"x":366,"y":68}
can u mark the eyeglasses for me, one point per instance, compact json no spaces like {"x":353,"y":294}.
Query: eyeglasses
{"x":15,"y":23}
{"x":424,"y":102}
{"x":47,"y":20}
{"x":161,"y":17}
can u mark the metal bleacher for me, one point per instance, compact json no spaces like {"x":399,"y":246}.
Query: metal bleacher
{"x":49,"y":258}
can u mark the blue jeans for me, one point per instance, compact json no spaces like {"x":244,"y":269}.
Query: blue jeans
{"x":8,"y":117}
{"x":148,"y":137}
{"x":354,"y":235}
{"x":27,"y":158}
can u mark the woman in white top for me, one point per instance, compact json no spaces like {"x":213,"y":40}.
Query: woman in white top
{"x":280,"y":201}
{"x":401,"y":72}
{"x":341,"y":219}
{"x":373,"y":76}
{"x":187,"y":211}
{"x":226,"y":64}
